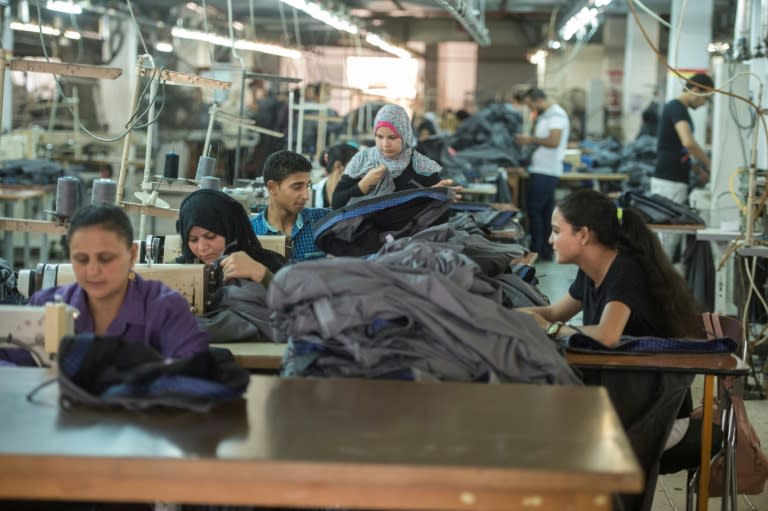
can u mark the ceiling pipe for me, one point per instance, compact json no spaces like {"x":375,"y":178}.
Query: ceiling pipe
{"x":471,"y":15}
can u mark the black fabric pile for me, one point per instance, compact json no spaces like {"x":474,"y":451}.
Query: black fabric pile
{"x":656,"y":209}
{"x":424,"y":311}
{"x":30,"y":172}
{"x":111,"y":372}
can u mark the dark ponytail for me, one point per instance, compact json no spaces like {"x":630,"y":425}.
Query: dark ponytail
{"x":673,"y":305}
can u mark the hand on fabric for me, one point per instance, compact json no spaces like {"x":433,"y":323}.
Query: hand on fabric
{"x":373,"y":176}
{"x":448,"y":183}
{"x":240,"y":266}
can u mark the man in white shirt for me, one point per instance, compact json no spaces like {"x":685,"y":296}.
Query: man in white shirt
{"x":550,"y":135}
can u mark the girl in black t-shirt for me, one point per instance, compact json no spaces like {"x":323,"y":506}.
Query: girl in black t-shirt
{"x":625,"y":284}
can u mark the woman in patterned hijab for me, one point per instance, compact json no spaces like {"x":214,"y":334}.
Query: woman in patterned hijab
{"x":392,"y":165}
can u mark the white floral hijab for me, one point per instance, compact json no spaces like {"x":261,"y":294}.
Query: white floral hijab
{"x":396,"y":119}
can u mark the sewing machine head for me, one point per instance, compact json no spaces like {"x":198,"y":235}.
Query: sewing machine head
{"x":38,"y":329}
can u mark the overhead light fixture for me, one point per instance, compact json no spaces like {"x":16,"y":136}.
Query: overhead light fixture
{"x":471,"y":17}
{"x":33,"y":27}
{"x":73,"y":34}
{"x":537,"y":57}
{"x":601,"y":3}
{"x":579,"y":22}
{"x":164,"y":46}
{"x":554,"y":45}
{"x":322,"y":14}
{"x":718,"y":47}
{"x":63,"y":6}
{"x":387,"y":47}
{"x":240,"y":44}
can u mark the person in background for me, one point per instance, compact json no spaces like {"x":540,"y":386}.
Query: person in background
{"x":550,"y":135}
{"x":676,"y":145}
{"x":112,"y":299}
{"x":212,"y":224}
{"x":625,"y":285}
{"x":287,"y":178}
{"x":393,"y":155}
{"x":335,"y":160}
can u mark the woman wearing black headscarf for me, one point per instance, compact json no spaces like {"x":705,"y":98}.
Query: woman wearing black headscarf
{"x":213,"y":224}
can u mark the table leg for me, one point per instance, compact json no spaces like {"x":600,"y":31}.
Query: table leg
{"x":8,"y":237}
{"x":26,"y":235}
{"x":706,"y":442}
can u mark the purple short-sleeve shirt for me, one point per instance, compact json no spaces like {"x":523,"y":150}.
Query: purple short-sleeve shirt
{"x":151,"y":313}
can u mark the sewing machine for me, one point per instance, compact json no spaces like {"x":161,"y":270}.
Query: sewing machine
{"x":195,"y":282}
{"x":166,"y":248}
{"x":36,"y":328}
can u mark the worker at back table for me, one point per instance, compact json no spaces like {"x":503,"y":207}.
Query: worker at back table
{"x":212,"y":224}
{"x":335,"y":161}
{"x":287,"y":178}
{"x":111,"y":298}
{"x":625,"y":285}
{"x":392,"y":165}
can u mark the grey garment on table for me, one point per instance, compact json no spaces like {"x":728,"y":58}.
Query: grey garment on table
{"x":238,"y":312}
{"x":493,"y":258}
{"x":399,"y":316}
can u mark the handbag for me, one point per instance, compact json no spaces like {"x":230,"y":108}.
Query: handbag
{"x":751,"y":465}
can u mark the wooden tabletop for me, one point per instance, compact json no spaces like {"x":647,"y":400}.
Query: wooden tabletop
{"x":326,"y":442}
{"x":263,"y":356}
{"x":709,"y":363}
{"x":20,"y":194}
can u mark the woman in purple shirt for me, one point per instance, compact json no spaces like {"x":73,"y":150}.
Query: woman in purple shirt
{"x":112,"y":299}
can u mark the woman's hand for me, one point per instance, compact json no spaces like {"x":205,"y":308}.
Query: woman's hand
{"x":449,"y":183}
{"x":239,"y":265}
{"x":373,"y":176}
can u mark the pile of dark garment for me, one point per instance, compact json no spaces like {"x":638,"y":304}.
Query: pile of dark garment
{"x":483,"y":143}
{"x":422,"y":308}
{"x":30,"y":172}
{"x":638,"y":159}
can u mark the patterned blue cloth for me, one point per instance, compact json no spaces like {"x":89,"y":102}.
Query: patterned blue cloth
{"x":630,"y":344}
{"x":302,"y":235}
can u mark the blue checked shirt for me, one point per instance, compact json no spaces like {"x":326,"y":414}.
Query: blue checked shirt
{"x":302,"y":235}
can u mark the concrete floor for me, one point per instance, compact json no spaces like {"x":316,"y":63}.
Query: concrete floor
{"x":554,"y":280}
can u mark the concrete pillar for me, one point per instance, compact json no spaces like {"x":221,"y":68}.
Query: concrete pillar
{"x":640,"y":73}
{"x":7,"y":96}
{"x":456,"y":73}
{"x":115,"y":94}
{"x":688,"y":53}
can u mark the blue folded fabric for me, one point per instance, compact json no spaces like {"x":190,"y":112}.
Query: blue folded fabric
{"x":630,"y":344}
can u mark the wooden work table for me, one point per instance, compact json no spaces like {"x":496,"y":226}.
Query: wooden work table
{"x":352,"y":443}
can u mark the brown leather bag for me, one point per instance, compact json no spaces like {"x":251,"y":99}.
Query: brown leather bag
{"x":751,"y":464}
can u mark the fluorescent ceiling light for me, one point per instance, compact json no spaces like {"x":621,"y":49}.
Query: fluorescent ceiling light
{"x":320,"y":13}
{"x":538,"y":57}
{"x":164,"y":46}
{"x":240,"y":44}
{"x":389,"y":48}
{"x":601,"y":3}
{"x":579,"y":22}
{"x":72,"y":34}
{"x":32,"y":27}
{"x":62,"y":6}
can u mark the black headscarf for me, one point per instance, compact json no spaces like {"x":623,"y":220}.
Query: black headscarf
{"x":219,"y":213}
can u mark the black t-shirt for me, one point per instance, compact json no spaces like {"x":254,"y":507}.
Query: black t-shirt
{"x":623,"y":283}
{"x":673,"y":162}
{"x":408,"y":180}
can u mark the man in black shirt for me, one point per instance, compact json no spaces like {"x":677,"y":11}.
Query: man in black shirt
{"x":676,"y":144}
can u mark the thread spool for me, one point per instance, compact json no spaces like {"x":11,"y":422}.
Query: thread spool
{"x":104,"y":190}
{"x":214,"y":183}
{"x":171,"y":169}
{"x":206,"y":166}
{"x":66,"y":196}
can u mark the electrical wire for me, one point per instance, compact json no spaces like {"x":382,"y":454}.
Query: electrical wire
{"x":211,"y":49}
{"x":652,"y":14}
{"x":138,"y":30}
{"x":60,"y":88}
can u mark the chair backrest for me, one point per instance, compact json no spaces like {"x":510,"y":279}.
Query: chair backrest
{"x":717,"y":326}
